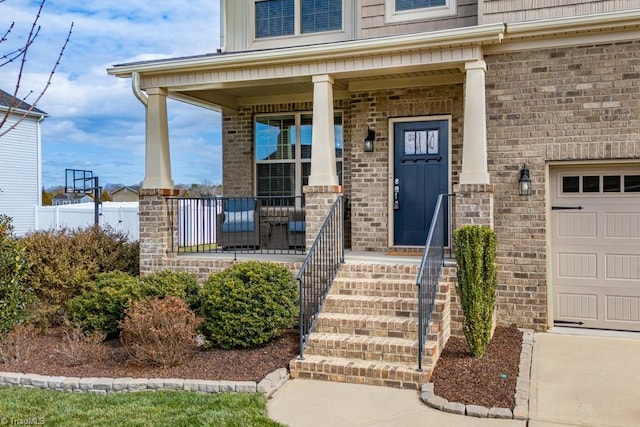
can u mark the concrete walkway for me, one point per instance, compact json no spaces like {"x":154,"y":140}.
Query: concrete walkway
{"x":585,"y":381}
{"x":310,"y":403}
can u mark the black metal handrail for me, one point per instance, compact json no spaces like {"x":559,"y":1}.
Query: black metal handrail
{"x":238,"y":225}
{"x":319,"y":269}
{"x":431,"y":268}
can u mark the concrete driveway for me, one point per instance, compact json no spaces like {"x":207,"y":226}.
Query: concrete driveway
{"x":584,"y":381}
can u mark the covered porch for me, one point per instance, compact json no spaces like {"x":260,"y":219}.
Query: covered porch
{"x":322,"y":101}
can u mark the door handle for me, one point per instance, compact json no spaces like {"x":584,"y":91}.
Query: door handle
{"x":396,"y":190}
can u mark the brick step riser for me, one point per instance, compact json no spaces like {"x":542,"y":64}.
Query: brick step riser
{"x":377,"y":293}
{"x":347,"y":373}
{"x":367,"y":332}
{"x":369,"y":311}
{"x":407,"y":305}
{"x":405,"y":359}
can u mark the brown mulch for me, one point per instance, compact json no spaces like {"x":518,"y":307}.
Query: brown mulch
{"x":214,"y":364}
{"x":459,"y":377}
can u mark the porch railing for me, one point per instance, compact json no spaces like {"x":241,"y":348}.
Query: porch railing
{"x":431,"y":268}
{"x":238,"y":225}
{"x":319,"y":269}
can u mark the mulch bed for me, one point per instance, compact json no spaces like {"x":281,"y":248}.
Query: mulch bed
{"x":214,"y":364}
{"x":459,"y":377}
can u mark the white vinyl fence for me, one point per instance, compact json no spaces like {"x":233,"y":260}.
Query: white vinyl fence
{"x":121,"y":216}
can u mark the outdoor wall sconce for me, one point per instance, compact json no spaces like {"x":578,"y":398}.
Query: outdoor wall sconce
{"x":525,"y":181}
{"x":368,"y":141}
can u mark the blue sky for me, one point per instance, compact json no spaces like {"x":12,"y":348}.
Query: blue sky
{"x":95,"y":122}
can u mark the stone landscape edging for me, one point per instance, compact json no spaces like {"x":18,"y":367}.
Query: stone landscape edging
{"x":521,"y":409}
{"x":104,"y":385}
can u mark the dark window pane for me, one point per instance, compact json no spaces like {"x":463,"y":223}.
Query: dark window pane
{"x":418,"y":4}
{"x":320,"y":15}
{"x":275,"y":179}
{"x":274,"y":18}
{"x":570,"y":184}
{"x":275,"y":138}
{"x":591,"y":184}
{"x":611,"y":183}
{"x":632,"y":184}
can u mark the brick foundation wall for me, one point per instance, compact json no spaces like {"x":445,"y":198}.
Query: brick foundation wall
{"x":577,"y":103}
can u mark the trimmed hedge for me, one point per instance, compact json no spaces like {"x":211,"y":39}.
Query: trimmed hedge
{"x":477,"y":282}
{"x":63,"y":262}
{"x":15,"y":294}
{"x":103,"y":305}
{"x":248,"y":304}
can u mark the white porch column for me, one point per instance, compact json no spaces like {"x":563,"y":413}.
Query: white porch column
{"x":323,"y":155}
{"x":474,"y":145}
{"x":157,"y":160}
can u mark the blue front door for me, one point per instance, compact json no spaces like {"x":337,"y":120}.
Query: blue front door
{"x":421,"y":173}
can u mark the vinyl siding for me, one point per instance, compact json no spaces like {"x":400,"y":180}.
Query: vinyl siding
{"x":372,"y":20}
{"x":495,"y":11}
{"x":20,"y":174}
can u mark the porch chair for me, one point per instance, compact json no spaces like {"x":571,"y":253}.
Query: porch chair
{"x":238,"y":225}
{"x":296,"y":228}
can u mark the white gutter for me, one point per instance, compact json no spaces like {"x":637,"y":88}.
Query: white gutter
{"x":490,"y":33}
{"x":135,"y":87}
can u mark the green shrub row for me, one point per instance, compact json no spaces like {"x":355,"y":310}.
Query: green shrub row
{"x":103,"y":304}
{"x":243,"y":306}
{"x":63,"y":261}
{"x":15,"y":294}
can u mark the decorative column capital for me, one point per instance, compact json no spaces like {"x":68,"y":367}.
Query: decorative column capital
{"x":322,"y":78}
{"x":475,"y":65}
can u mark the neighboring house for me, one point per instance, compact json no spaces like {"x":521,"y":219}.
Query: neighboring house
{"x":460,"y":94}
{"x":124,"y":194}
{"x":20,"y":163}
{"x":71,"y":199}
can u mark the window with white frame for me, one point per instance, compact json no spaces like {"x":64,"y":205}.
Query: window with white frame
{"x":413,"y":10}
{"x":275,"y":18}
{"x":283,"y":152}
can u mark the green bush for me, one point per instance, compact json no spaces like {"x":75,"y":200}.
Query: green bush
{"x":15,"y":294}
{"x":248,"y":304}
{"x":103,"y":304}
{"x":477,"y":281}
{"x":178,"y":284}
{"x":64,"y":261}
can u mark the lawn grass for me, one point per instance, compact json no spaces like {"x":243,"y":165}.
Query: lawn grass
{"x":199,"y":248}
{"x":22,"y":406}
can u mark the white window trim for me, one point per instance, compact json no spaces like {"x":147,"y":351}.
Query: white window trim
{"x":308,"y":38}
{"x":392,"y":16}
{"x":298,"y":160}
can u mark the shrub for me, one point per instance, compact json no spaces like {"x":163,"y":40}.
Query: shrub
{"x":103,"y":304}
{"x":64,"y":261}
{"x":79,"y":347}
{"x":15,"y":345}
{"x":15,"y":294}
{"x":248,"y":304}
{"x":178,"y":284}
{"x":477,"y":280}
{"x":158,"y":331}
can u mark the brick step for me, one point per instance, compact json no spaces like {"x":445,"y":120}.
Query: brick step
{"x":378,"y":271}
{"x":375,"y":287}
{"x":362,"y":324}
{"x":376,"y":306}
{"x":360,"y":371}
{"x":394,"y":350}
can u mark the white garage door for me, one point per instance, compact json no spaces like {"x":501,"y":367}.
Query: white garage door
{"x":595,"y":247}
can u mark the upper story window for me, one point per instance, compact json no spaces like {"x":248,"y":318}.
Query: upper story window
{"x":414,"y":10}
{"x":275,"y":18}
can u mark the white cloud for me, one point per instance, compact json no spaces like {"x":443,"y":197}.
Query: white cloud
{"x":94,"y":119}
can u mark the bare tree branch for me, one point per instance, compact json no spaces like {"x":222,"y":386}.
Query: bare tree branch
{"x":16,"y":102}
